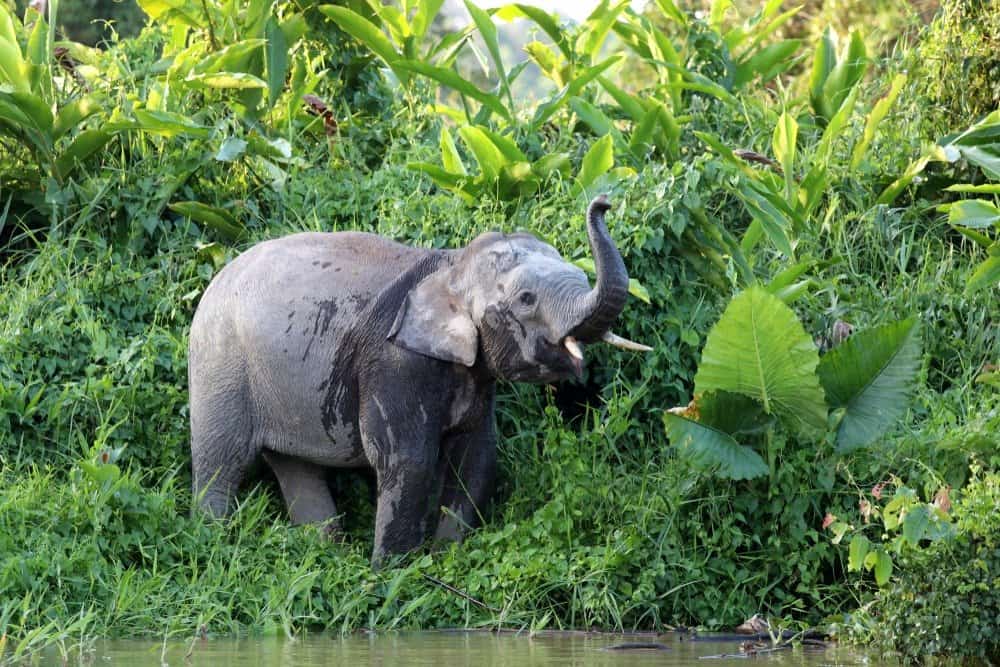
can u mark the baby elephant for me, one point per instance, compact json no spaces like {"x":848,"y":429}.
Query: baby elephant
{"x":344,"y":350}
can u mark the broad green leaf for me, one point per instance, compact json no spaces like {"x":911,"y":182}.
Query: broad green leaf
{"x":986,"y":158}
{"x":545,"y":110}
{"x":165,"y":123}
{"x":783,"y":142}
{"x":593,"y":117}
{"x":226,"y":80}
{"x":35,"y":108}
{"x":452,"y":79}
{"x":427,"y":11}
{"x":363,"y":30}
{"x":642,"y":135}
{"x":759,"y":349}
{"x":176,"y":9}
{"x":986,"y":274}
{"x":630,"y":104}
{"x":72,"y":114}
{"x":551,"y":163}
{"x":488,"y":31}
{"x":980,"y":239}
{"x":823,"y":62}
{"x":449,"y":154}
{"x":772,"y":220}
{"x":453,"y":182}
{"x":731,"y":413}
{"x":543,"y":20}
{"x":232,"y":58}
{"x":915,"y":524}
{"x":12,"y":65}
{"x":276,"y":56}
{"x":546,"y":60}
{"x":985,"y":188}
{"x":857,"y":553}
{"x":896,"y":187}
{"x":598,"y":160}
{"x":883,"y":568}
{"x":878,"y":113}
{"x":671,"y":11}
{"x":490,"y":159}
{"x":7,"y":32}
{"x":834,"y":129}
{"x":767,"y":62}
{"x":84,"y":145}
{"x":595,"y":29}
{"x":638,"y":290}
{"x":974,"y":213}
{"x":870,"y":376}
{"x":505,"y":145}
{"x":712,"y":449}
{"x":213,"y":217}
{"x":231,"y":149}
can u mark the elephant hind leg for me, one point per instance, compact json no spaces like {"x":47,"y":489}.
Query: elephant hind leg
{"x":222,"y":447}
{"x":304,"y":488}
{"x":218,"y":477}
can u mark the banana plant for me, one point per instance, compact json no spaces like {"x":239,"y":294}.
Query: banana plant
{"x":44,"y":109}
{"x":761,"y":372}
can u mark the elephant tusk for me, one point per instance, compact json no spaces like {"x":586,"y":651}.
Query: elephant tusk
{"x":574,"y":348}
{"x":624,"y":343}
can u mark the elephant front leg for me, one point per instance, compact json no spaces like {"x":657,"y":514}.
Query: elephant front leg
{"x":404,"y":451}
{"x":469,"y":472}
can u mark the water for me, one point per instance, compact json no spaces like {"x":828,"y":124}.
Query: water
{"x":459,"y":649}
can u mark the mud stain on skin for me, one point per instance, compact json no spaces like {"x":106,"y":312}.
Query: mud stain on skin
{"x":326,"y":310}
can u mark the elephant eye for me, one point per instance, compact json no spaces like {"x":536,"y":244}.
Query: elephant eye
{"x":527,"y":298}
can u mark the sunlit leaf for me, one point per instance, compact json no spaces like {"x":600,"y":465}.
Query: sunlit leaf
{"x":597,"y":161}
{"x":974,"y":213}
{"x":713,"y":449}
{"x":213,"y":217}
{"x":759,"y":349}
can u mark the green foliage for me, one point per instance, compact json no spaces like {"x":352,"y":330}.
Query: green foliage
{"x":213,"y":149}
{"x":51,"y":115}
{"x":759,"y":363}
{"x":943,"y":600}
{"x":869,"y":377}
{"x":958,"y":58}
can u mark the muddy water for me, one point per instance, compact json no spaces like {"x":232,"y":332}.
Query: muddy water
{"x":472,"y":649}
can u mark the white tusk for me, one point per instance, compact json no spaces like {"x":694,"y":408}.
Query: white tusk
{"x":574,"y":348}
{"x":624,"y":343}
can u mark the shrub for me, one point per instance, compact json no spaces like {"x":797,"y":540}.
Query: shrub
{"x":946,"y":600}
{"x":960,"y":59}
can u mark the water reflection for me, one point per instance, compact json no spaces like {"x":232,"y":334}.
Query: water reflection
{"x":457,"y":649}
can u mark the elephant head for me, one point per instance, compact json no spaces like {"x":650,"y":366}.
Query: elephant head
{"x":514,"y":302}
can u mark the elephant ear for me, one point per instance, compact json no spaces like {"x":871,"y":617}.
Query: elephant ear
{"x":433,"y":321}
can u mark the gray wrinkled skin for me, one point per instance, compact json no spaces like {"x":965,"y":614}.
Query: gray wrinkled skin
{"x":345,"y":350}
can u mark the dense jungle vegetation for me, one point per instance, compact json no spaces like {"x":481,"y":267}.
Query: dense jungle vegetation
{"x":806,"y":198}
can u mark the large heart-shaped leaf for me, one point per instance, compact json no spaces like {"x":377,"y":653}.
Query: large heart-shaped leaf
{"x":870,"y":377}
{"x":759,"y":349}
{"x":713,"y":449}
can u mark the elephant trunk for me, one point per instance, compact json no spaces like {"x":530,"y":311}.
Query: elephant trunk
{"x":600,"y":307}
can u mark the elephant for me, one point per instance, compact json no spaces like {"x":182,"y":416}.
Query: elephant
{"x":348,"y":350}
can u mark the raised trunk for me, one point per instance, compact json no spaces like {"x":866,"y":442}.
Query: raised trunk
{"x":602,"y":305}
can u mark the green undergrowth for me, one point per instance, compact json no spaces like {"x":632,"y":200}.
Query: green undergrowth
{"x":600,"y":520}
